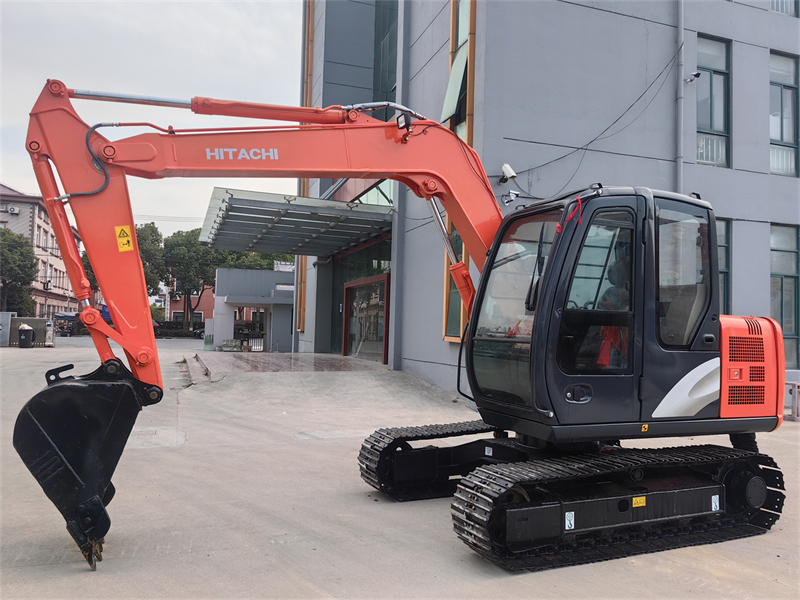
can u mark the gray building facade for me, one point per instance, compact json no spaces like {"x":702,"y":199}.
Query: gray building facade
{"x":682,"y":95}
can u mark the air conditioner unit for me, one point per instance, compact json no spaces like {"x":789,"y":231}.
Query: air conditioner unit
{"x":13,"y":210}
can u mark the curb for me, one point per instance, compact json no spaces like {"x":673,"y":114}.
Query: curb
{"x":198,"y":371}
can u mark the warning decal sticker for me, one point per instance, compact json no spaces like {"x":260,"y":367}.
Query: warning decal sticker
{"x":640,"y":501}
{"x":124,"y":238}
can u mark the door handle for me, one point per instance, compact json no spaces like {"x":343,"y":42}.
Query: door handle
{"x":578,"y":394}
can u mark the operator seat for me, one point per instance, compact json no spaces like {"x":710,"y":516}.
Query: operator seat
{"x":614,"y":345}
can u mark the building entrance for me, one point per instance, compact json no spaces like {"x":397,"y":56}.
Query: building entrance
{"x":366,"y":323}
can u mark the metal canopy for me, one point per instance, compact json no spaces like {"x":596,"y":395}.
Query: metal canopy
{"x":278,"y":223}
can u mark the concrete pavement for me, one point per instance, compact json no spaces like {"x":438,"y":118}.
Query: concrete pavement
{"x":245,"y":485}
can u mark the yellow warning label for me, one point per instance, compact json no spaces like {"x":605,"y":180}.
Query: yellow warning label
{"x":124,"y":239}
{"x":640,"y":501}
{"x":644,"y":428}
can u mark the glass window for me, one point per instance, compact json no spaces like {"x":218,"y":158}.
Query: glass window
{"x":598,"y":319}
{"x":456,"y":86}
{"x":455,"y":313}
{"x":368,"y":262}
{"x":784,"y":302}
{"x":455,"y":101}
{"x":786,"y":7}
{"x":366,"y":321}
{"x":501,"y":347}
{"x":385,"y":57}
{"x":683,"y":270}
{"x":455,"y":110}
{"x":712,"y":102}
{"x":783,"y":115}
{"x":462,"y":22}
{"x":724,"y":258}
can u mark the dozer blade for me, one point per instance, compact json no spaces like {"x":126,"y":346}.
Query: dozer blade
{"x":71,"y":436}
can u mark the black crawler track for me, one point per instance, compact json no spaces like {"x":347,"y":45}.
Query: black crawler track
{"x":485,"y":496}
{"x":375,"y":460}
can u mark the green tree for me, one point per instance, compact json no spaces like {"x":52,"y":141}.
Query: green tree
{"x":151,"y":251}
{"x":87,"y":266}
{"x":192,"y":266}
{"x":157,"y":312}
{"x":231,"y":259}
{"x":18,"y":268}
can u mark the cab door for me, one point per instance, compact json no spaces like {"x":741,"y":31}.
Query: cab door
{"x":596,"y":321}
{"x":681,"y":376}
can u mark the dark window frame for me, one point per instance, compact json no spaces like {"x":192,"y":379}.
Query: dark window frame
{"x":795,"y":277}
{"x":724,"y":249}
{"x":709,"y":72}
{"x":795,"y":89}
{"x":795,"y":3}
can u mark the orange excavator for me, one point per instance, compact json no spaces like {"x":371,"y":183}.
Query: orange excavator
{"x":595,"y":320}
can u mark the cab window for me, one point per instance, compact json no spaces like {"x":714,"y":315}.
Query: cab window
{"x":683,"y":271}
{"x":597,"y":320}
{"x":501,"y":348}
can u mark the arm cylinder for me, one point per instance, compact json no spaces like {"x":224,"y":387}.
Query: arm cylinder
{"x":333,"y":115}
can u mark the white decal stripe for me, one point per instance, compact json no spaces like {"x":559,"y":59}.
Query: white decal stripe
{"x":696,"y":390}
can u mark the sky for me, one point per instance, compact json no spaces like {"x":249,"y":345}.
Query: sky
{"x":248,"y":51}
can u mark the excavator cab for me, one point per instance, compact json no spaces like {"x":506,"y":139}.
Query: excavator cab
{"x":591,"y":307}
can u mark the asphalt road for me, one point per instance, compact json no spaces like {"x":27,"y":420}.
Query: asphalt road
{"x":248,"y":487}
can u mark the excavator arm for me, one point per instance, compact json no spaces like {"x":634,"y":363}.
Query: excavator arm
{"x":425,"y":156}
{"x":72,"y":434}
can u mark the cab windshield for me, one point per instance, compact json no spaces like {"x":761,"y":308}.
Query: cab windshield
{"x":502,"y":343}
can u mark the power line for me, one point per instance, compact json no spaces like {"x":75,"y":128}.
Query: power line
{"x":600,"y":136}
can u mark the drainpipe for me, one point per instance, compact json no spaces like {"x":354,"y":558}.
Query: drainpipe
{"x":679,"y":105}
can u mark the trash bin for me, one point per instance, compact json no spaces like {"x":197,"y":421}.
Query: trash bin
{"x":26,"y":336}
{"x":208,"y":342}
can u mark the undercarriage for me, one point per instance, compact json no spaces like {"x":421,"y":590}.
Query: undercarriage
{"x":527,"y":508}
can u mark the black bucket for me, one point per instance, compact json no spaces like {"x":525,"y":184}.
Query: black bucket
{"x":71,"y":436}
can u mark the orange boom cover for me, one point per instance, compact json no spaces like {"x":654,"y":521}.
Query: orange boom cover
{"x":753,"y":367}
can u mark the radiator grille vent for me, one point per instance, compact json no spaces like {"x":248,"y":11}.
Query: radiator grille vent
{"x":758,"y":374}
{"x":753,"y":326}
{"x":746,"y":350}
{"x":751,"y":394}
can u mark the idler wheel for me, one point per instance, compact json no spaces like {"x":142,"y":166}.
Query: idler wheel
{"x":747,"y":490}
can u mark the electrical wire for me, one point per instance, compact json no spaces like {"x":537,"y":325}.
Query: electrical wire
{"x":667,"y":68}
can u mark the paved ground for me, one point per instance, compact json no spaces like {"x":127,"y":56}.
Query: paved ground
{"x":245,"y":485}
